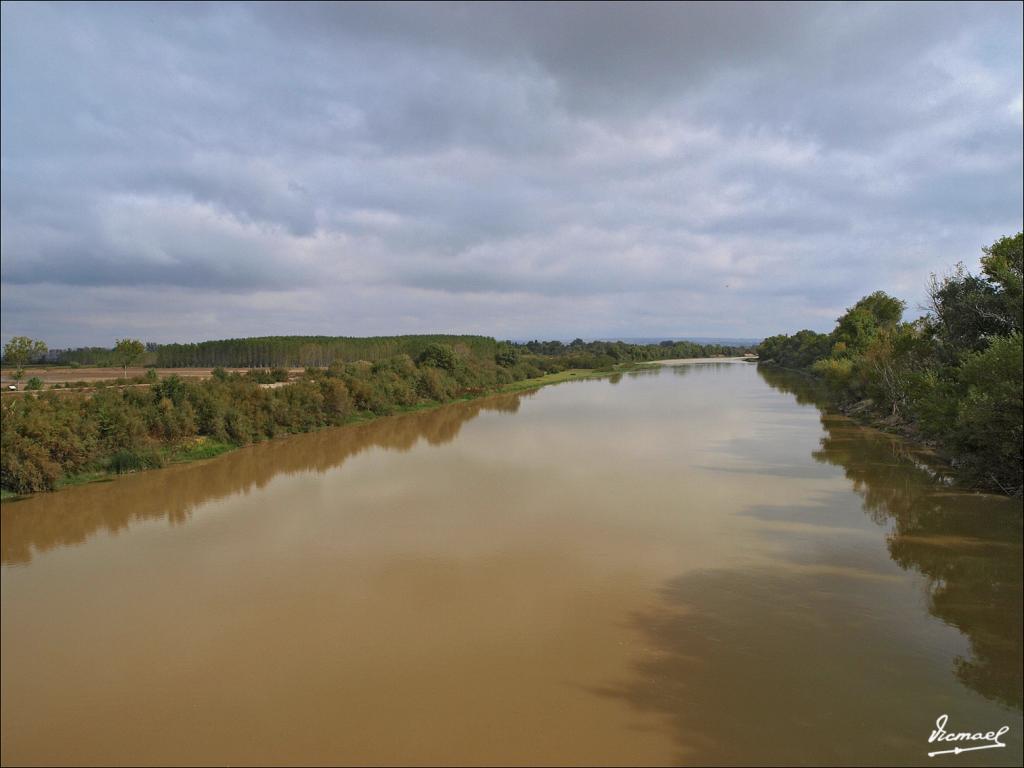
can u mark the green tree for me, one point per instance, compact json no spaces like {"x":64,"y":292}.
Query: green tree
{"x":440,"y":356}
{"x":854,"y":332}
{"x":128,"y":351}
{"x":886,"y":309}
{"x":1003,"y":265}
{"x":862,"y":322}
{"x":966,"y":312}
{"x":21,"y":350}
{"x":963,"y":314}
{"x":988,"y":432}
{"x":506,"y":356}
{"x":797,"y":351}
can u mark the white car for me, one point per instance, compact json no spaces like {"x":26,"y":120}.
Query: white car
{"x":12,"y":386}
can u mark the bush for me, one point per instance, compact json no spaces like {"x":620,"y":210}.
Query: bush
{"x":434,"y":385}
{"x":933,"y":402}
{"x":259,"y":376}
{"x":173,"y":388}
{"x":797,"y":351}
{"x":134,"y":460}
{"x":27,"y":467}
{"x":172,"y":424}
{"x":34,"y":383}
{"x":439,"y":356}
{"x":835,"y":371}
{"x":336,"y":399}
{"x":237,"y":427}
{"x":506,"y":356}
{"x":988,"y":431}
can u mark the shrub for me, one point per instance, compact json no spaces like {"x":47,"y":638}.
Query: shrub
{"x":259,"y":376}
{"x":988,"y":432}
{"x":439,"y":356}
{"x":172,"y":424}
{"x":434,"y":385}
{"x":336,"y":399}
{"x":173,"y":388}
{"x":797,"y":351}
{"x":26,"y":466}
{"x":506,"y":356}
{"x":836,"y":371}
{"x":133,"y":460}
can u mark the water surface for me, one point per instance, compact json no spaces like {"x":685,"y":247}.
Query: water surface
{"x":687,"y":566}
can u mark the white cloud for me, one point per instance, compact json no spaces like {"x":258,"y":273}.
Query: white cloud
{"x":193,"y":172}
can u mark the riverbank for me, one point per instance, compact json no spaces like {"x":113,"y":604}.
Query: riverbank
{"x":866,"y":413}
{"x":954,"y":376}
{"x":625,"y":559}
{"x":203,"y":447}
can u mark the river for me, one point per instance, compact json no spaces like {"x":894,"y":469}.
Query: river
{"x":691,"y":565}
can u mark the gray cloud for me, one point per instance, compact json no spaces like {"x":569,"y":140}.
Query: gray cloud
{"x":193,"y":171}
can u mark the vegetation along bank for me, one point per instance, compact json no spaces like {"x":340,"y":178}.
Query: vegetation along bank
{"x":952,"y":378}
{"x":50,"y":439}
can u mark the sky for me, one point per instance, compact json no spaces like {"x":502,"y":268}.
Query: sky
{"x":197,"y":171}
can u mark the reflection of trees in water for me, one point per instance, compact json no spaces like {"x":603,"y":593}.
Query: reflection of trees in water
{"x":678,"y":370}
{"x":687,"y":369}
{"x":967,"y":545}
{"x":772,"y":665}
{"x":759,"y":667}
{"x":806,"y":390}
{"x":71,"y":516}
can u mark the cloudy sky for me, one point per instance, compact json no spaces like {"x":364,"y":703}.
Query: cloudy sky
{"x":182,"y":172}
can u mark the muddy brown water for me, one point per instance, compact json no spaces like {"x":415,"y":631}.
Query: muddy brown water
{"x":695,"y":565}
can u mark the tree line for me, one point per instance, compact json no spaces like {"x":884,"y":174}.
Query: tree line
{"x":620,"y":351}
{"x":321,"y":351}
{"x":306,"y":351}
{"x":953,"y":376}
